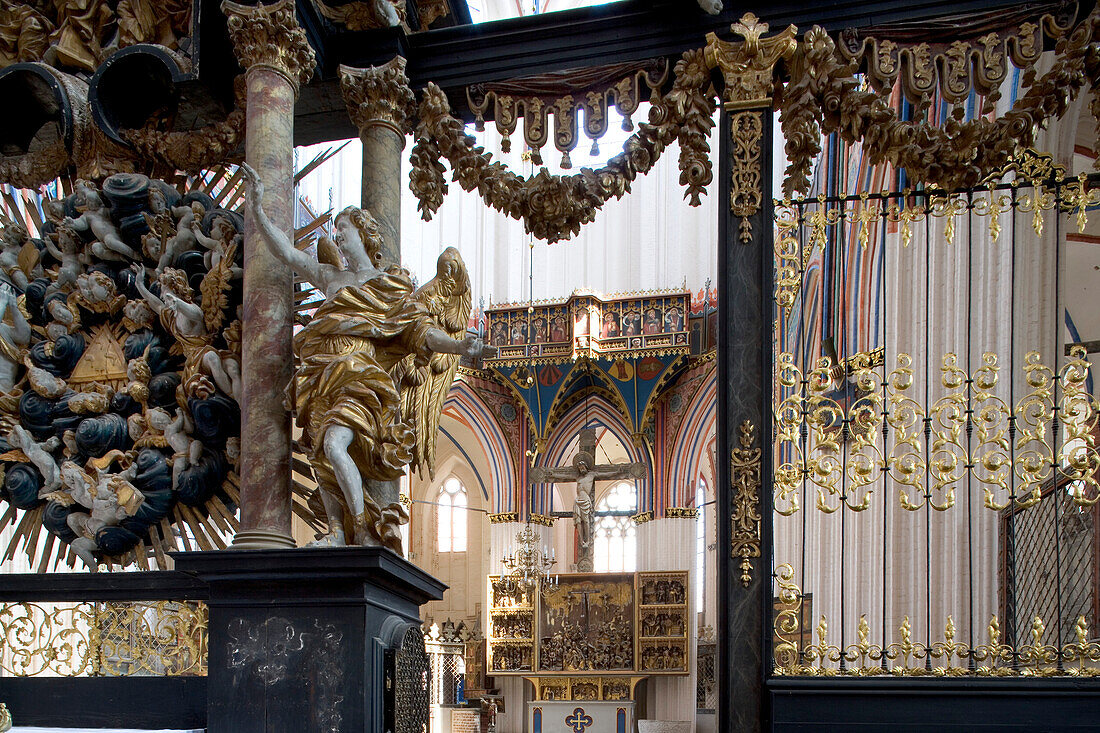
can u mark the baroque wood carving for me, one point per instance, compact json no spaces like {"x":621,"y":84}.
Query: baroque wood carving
{"x":745,"y":483}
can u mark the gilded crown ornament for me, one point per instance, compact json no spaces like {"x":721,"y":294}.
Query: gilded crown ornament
{"x":747,"y":66}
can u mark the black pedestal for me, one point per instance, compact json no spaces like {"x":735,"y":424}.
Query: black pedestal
{"x":300,"y":639}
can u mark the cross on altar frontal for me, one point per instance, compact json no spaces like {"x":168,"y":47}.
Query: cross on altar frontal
{"x":585,"y":473}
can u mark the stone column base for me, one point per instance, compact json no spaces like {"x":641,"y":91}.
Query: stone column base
{"x":305,"y":639}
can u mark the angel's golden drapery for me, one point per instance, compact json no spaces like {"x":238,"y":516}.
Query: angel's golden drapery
{"x":354,"y":353}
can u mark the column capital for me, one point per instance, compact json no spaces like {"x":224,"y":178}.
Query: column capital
{"x":268,"y":36}
{"x":378,"y":95}
{"x":747,"y":65}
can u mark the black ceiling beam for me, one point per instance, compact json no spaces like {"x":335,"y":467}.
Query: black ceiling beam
{"x":632,"y":30}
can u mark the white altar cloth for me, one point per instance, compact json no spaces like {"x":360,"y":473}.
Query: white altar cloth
{"x":580,"y":716}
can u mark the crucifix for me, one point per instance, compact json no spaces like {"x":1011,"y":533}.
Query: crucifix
{"x":585,"y":473}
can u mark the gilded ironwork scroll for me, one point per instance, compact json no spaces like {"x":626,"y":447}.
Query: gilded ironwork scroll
{"x":905,"y":657}
{"x":116,"y":639}
{"x":745,"y":482}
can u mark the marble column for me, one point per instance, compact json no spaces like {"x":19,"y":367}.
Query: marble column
{"x":380,"y":104}
{"x":277,"y":59}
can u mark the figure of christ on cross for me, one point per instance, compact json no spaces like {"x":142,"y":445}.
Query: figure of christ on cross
{"x":585,"y":473}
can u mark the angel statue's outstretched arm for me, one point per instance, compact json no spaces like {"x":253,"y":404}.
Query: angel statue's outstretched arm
{"x":277,"y":240}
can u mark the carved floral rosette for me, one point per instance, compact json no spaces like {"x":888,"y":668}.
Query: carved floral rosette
{"x":119,"y":431}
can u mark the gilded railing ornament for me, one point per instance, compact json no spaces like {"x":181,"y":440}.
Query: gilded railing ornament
{"x":747,"y":69}
{"x":906,"y":657}
{"x":379,"y":95}
{"x":840,"y":451}
{"x":745,"y":512}
{"x":165,"y":638}
{"x":503,"y":517}
{"x":268,"y":36}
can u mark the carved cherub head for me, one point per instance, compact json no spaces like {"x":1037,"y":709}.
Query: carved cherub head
{"x":88,"y":196}
{"x":157,"y":203}
{"x":358,"y":237}
{"x":13,"y":235}
{"x":173,"y":282}
{"x":96,"y":287}
{"x":139,"y":313}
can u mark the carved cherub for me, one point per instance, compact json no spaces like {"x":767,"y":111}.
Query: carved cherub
{"x":15,"y":337}
{"x":377,"y":360}
{"x":12,"y":238}
{"x":69,"y":251}
{"x":109,"y":498}
{"x":185,"y":236}
{"x":95,"y":217}
{"x":223,"y":241}
{"x":185,"y":320}
{"x":39,"y":455}
{"x":186,"y":451}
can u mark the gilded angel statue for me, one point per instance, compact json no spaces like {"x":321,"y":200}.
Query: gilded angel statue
{"x":375,"y":365}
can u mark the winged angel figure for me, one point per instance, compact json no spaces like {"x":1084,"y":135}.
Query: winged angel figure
{"x":375,"y":364}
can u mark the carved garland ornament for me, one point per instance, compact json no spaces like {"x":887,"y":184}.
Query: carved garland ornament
{"x":555,"y":207}
{"x":269,"y":36}
{"x":746,"y":131}
{"x":824,"y":95}
{"x":745,"y":482}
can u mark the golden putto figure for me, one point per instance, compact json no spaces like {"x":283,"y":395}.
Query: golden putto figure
{"x":376,"y":362}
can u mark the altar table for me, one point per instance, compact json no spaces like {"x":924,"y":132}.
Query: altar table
{"x":580,"y":716}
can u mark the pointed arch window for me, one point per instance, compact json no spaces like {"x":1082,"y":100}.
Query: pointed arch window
{"x":451,"y":514}
{"x":616,"y":547}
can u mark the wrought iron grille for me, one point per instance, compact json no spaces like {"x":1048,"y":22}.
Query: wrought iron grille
{"x":411,"y":694}
{"x":936,"y":438}
{"x":447,"y":662}
{"x":706,"y":679}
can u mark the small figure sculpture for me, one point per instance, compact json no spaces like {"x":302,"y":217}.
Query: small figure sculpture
{"x":94,"y":217}
{"x":12,"y":238}
{"x":185,"y":237}
{"x":186,"y":322}
{"x":14,"y":339}
{"x":69,"y":251}
{"x":39,"y":456}
{"x":109,"y":498}
{"x":222,"y":243}
{"x":377,"y":360}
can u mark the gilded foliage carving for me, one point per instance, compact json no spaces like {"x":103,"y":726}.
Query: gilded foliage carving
{"x":379,"y":95}
{"x":745,"y":519}
{"x":555,"y":207}
{"x":269,"y":36}
{"x":824,"y":95}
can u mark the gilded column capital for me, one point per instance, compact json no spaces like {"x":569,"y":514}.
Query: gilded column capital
{"x":747,"y":65}
{"x":269,"y":36}
{"x":378,"y":95}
